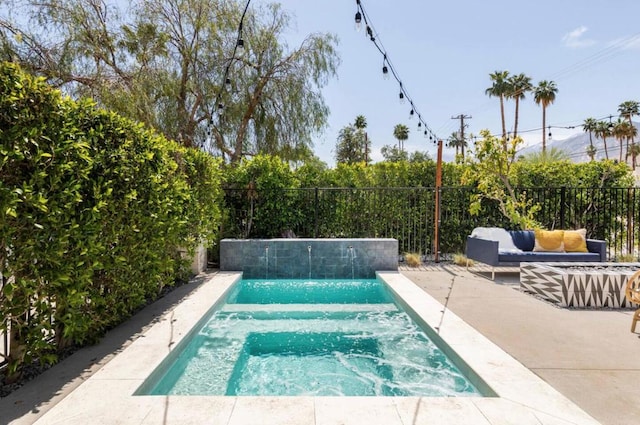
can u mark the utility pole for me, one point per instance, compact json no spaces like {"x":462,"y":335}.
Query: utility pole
{"x":462,"y":117}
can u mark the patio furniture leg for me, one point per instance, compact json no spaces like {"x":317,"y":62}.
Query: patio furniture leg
{"x":632,"y":293}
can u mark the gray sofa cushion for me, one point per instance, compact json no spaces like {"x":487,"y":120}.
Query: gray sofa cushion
{"x":528,"y":256}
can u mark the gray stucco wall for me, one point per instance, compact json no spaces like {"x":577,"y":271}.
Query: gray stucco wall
{"x":308,"y":258}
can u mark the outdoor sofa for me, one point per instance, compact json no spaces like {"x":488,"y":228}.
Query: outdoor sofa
{"x":498,"y":247}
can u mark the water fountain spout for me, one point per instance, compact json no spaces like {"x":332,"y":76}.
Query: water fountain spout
{"x":266,"y":257}
{"x":309,"y":249}
{"x":351,"y":257}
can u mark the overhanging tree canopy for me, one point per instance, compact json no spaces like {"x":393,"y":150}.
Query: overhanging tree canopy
{"x":162,"y":63}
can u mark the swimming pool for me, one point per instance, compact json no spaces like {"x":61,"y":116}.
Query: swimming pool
{"x":292,"y":337}
{"x":109,"y":395}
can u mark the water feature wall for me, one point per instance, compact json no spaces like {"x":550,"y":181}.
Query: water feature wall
{"x":309,"y":258}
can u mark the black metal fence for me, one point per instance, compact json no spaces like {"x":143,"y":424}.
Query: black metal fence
{"x":408,"y":214}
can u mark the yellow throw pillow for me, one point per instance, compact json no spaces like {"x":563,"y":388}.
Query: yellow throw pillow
{"x":575,"y":240}
{"x":549,"y":241}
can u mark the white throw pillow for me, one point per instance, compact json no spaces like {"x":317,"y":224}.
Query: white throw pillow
{"x":498,"y":234}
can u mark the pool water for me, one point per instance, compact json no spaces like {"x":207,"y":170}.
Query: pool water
{"x":314,"y":338}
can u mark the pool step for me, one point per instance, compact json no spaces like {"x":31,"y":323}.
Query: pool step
{"x":382,"y":308}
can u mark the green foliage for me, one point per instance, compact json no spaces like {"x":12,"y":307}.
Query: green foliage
{"x":267,"y":216}
{"x":353,"y":144}
{"x":396,"y":199}
{"x":94,"y":208}
{"x":394,"y":153}
{"x":550,"y":155}
{"x":492,"y":173}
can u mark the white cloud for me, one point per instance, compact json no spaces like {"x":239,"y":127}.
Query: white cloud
{"x":575,"y":39}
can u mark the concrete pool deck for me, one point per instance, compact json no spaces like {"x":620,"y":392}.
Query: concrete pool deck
{"x":590,"y":357}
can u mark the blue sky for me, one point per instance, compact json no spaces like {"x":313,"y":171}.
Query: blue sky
{"x":444,"y":52}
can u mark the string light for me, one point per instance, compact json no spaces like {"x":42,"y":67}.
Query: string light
{"x":385,"y":70}
{"x":388,"y":68}
{"x":237,"y":49}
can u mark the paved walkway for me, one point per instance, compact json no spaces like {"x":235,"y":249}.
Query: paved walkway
{"x":590,"y":356}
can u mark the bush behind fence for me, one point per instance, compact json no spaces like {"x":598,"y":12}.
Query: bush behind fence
{"x":408,"y":214}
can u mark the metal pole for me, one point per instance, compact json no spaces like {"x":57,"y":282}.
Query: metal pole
{"x":436,"y":233}
{"x":315,"y":214}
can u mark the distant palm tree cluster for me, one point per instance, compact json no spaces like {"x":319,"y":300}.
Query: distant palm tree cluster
{"x":622,"y":130}
{"x":506,"y":86}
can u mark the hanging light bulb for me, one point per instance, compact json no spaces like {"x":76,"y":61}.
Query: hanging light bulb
{"x":358,"y":20}
{"x":370,"y":33}
{"x":385,"y":70}
{"x":425,"y":133}
{"x":240,"y":42}
{"x":401,"y":95}
{"x":419,"y":124}
{"x":240,"y":49}
{"x":411,"y":113}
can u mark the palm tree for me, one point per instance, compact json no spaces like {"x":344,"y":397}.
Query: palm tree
{"x":519,"y":85}
{"x":620,"y":130}
{"x":551,"y":155}
{"x":634,"y":151}
{"x":361,"y":124}
{"x":631,"y":136}
{"x":603,"y":130}
{"x":545,"y":94}
{"x":589,"y":125}
{"x":500,"y":88}
{"x":456,"y":141}
{"x":591,"y":151}
{"x":401,"y":132}
{"x":628,"y":109}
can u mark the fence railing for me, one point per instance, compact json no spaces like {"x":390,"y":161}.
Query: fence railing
{"x":408,"y":214}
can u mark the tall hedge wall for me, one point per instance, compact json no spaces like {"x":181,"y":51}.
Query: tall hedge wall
{"x":92,"y":210}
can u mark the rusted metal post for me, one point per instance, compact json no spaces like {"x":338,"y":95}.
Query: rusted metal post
{"x":436,"y":233}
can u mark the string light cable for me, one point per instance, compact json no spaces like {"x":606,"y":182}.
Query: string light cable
{"x":388,"y":69}
{"x":226,"y":80}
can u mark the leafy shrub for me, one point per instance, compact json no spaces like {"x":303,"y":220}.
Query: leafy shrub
{"x":462,"y":260}
{"x":94,"y":208}
{"x":412,"y":259}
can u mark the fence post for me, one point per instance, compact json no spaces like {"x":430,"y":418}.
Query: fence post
{"x":563,"y":198}
{"x":436,"y":235}
{"x":315,"y":214}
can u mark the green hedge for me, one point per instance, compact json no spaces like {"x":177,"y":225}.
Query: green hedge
{"x":93,"y":209}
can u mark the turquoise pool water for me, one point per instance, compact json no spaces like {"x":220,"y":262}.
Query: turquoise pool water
{"x":318,"y":338}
